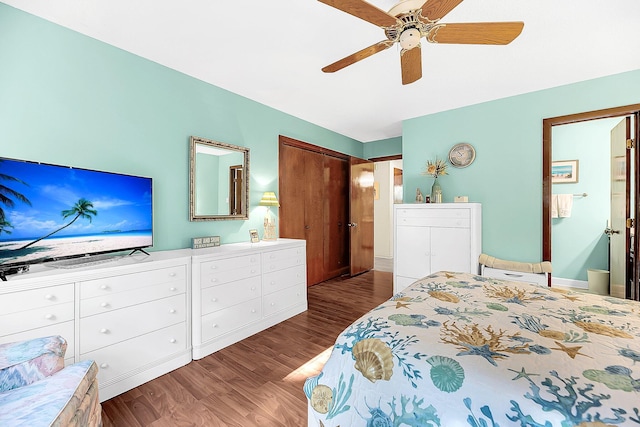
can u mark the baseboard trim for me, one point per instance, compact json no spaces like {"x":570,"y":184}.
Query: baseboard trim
{"x":569,"y":283}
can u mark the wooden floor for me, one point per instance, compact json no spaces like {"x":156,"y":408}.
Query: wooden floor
{"x":258,"y":381}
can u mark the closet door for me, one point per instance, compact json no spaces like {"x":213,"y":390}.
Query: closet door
{"x":301,"y":204}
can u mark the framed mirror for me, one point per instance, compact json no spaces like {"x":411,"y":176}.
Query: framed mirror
{"x":218,"y":181}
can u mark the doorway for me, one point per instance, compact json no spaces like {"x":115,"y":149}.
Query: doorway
{"x":550,"y":126}
{"x":388,"y":183}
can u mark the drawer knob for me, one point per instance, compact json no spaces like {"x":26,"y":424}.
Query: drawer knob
{"x":215,"y":325}
{"x":272,"y":256}
{"x":253,"y":288}
{"x":172,"y":310}
{"x":273,"y":283}
{"x":272,"y":304}
{"x":104,"y":287}
{"x":253,"y":310}
{"x":49,"y":297}
{"x":253,"y":271}
{"x":253,"y":259}
{"x":104,"y":305}
{"x":172,"y":274}
{"x":214,"y":299}
{"x":49,"y":316}
{"x":213,"y":267}
{"x":104,"y":331}
{"x":214,"y":280}
{"x":104,"y":365}
{"x":173,"y":289}
{"x":172,"y":340}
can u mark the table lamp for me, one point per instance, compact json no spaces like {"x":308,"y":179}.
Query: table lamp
{"x":269,"y":199}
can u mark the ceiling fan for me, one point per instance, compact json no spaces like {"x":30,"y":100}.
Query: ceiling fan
{"x":410,"y":20}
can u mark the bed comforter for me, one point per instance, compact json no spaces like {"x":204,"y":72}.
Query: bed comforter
{"x":456,"y":349}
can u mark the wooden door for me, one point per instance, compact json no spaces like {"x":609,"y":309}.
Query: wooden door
{"x":301,"y":201}
{"x":336,"y":216}
{"x":361,"y":216}
{"x":620,"y":236}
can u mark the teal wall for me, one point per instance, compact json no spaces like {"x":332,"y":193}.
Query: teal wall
{"x":506,"y":176}
{"x":69,"y":99}
{"x":383,"y":148}
{"x":578,"y":243}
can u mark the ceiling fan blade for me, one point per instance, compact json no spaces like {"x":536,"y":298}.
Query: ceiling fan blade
{"x":358,"y":56}
{"x":363,"y":10}
{"x":434,"y":10}
{"x":411,"y":63}
{"x":476,"y":33}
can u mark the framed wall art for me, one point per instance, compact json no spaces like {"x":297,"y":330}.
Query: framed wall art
{"x":564,"y":172}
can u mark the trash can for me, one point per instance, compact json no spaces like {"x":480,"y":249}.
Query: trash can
{"x":598,"y":281}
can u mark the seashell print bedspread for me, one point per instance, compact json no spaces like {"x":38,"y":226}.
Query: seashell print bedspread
{"x":457,"y":349}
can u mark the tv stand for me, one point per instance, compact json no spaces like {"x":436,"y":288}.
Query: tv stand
{"x":139,"y":250}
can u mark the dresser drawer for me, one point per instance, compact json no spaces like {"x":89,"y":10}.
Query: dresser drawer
{"x":281,"y":254}
{"x":213,"y":277}
{"x":36,"y":318}
{"x":434,"y":222}
{"x":234,"y":263}
{"x":284,"y":298}
{"x":129,"y":355}
{"x":229,"y":294}
{"x":281,"y":279}
{"x":127,"y":282}
{"x":114,"y":301}
{"x":118,"y":325}
{"x":515,"y":276}
{"x":35,"y":298}
{"x":231,"y":318}
{"x":64,"y":329}
{"x":279,"y":260}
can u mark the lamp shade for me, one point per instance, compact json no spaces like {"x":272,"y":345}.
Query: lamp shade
{"x":269,"y":199}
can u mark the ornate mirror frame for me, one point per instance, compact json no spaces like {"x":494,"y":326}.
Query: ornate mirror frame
{"x":237,"y":183}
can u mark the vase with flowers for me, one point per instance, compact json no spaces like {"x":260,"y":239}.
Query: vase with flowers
{"x":435,"y":169}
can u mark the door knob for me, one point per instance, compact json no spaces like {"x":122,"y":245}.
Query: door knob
{"x":352,"y":224}
{"x":307,"y":227}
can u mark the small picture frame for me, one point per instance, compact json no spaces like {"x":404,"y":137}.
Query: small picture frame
{"x":564,"y":172}
{"x":254,"y":236}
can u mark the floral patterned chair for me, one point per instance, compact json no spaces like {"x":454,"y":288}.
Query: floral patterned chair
{"x":36,"y":389}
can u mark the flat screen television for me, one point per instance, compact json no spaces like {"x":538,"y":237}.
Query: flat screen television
{"x":52,"y":212}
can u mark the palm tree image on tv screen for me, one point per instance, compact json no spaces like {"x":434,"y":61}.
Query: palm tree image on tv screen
{"x":50,"y":212}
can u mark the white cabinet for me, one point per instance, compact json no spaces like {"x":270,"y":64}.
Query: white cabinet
{"x":431,"y":237}
{"x":240,"y":289}
{"x":132,"y":316}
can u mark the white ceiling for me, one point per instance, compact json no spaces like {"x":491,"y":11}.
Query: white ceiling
{"x":272,"y":52}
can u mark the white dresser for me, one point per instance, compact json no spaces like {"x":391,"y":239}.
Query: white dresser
{"x":431,"y":237}
{"x":132,"y":316}
{"x":243,"y":288}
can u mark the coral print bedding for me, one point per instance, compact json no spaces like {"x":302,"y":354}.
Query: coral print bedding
{"x":456,"y":349}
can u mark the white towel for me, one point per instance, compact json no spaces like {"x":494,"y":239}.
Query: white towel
{"x":554,"y":206}
{"x":565,"y":203}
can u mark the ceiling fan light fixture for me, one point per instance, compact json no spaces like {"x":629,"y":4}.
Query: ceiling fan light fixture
{"x":410,"y":38}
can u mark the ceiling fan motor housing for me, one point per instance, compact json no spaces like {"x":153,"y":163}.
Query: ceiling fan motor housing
{"x":410,"y":38}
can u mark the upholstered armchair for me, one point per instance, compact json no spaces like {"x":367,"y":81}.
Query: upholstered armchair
{"x":36,"y":389}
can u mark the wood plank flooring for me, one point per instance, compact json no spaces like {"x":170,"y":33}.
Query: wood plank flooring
{"x":258,"y":381}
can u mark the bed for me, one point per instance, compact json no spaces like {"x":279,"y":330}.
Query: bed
{"x":457,"y":349}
